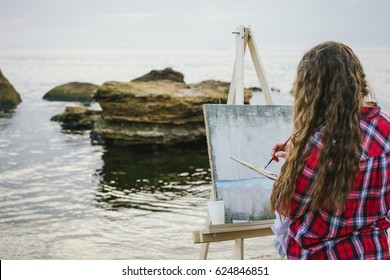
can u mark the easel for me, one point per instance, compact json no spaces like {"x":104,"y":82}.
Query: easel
{"x":245,"y":38}
{"x":239,"y":231}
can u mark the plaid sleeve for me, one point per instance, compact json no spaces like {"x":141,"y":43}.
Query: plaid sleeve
{"x":304,"y":187}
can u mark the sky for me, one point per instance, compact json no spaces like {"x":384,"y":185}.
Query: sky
{"x":190,"y":24}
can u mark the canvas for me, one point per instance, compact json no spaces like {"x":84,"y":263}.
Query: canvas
{"x":246,"y":132}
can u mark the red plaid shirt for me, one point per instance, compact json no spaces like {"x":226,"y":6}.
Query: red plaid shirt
{"x":359,"y":231}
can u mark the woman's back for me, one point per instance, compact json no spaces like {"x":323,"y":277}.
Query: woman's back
{"x":359,"y":230}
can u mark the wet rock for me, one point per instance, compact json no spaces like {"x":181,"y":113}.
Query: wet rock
{"x":9,"y":97}
{"x":157,"y":75}
{"x":273,"y":89}
{"x":76,"y":118}
{"x":157,"y":112}
{"x":74,"y":91}
{"x":255,"y":89}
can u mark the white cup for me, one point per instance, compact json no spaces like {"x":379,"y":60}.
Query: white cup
{"x":216,"y":212}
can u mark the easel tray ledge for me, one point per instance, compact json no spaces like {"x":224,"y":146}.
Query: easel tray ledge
{"x":215,"y":233}
{"x":238,"y":226}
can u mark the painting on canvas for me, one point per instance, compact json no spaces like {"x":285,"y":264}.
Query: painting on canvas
{"x":246,"y":132}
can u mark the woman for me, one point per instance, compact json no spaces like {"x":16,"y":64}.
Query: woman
{"x":334,"y":185}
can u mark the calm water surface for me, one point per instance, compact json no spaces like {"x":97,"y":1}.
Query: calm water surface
{"x":62,"y":197}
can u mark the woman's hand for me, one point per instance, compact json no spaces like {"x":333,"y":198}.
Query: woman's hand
{"x":279,"y":151}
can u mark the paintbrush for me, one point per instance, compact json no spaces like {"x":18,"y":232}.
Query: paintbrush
{"x":273,"y":155}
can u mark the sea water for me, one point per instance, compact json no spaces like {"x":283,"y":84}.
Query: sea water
{"x":62,"y":197}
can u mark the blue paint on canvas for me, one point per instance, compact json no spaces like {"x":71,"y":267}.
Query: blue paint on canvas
{"x":245,"y":199}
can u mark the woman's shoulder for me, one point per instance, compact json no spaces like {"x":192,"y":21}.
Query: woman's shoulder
{"x":375,"y":126}
{"x":385,"y":119}
{"x":374,"y":117}
{"x":372,"y":111}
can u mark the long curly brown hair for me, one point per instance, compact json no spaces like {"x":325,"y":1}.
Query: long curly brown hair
{"x":329,"y":90}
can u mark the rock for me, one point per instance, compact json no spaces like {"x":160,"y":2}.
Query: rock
{"x":157,"y":75}
{"x":138,"y":133}
{"x":157,"y":112}
{"x":273,"y":89}
{"x":75,"y":91}
{"x":255,"y":89}
{"x":76,"y":118}
{"x":9,"y":97}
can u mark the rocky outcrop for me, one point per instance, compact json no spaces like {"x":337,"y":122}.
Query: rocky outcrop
{"x":273,"y":89}
{"x":75,"y":91}
{"x":157,"y":75}
{"x":9,"y":97}
{"x":156,"y":112}
{"x":76,"y":118}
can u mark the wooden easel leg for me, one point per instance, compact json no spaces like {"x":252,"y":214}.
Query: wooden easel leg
{"x":259,"y":68}
{"x":204,"y":251}
{"x":239,"y":64}
{"x":239,"y":249}
{"x":236,"y":89}
{"x":205,"y":246}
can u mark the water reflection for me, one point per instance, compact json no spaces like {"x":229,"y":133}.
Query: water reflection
{"x":6,"y":113}
{"x":152,"y":179}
